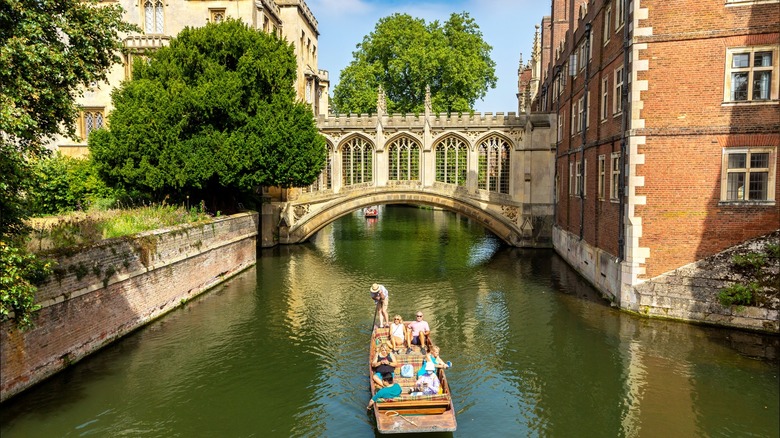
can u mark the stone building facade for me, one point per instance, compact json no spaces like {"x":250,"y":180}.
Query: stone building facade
{"x":667,"y":120}
{"x":161,"y":20}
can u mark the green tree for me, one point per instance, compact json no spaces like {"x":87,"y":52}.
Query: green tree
{"x":212,"y":114}
{"x":50,"y":51}
{"x":65,"y":184}
{"x":404,"y":55}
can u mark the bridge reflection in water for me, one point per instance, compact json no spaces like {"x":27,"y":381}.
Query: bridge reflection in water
{"x":280,"y":350}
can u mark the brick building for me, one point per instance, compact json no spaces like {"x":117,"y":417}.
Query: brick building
{"x":159,"y":21}
{"x":668,"y":126}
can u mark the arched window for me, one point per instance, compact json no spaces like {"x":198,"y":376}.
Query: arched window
{"x":323,"y":182}
{"x":357,"y":162}
{"x":153,"y":14}
{"x":404,"y":160}
{"x":451,"y":161}
{"x":493,"y":174}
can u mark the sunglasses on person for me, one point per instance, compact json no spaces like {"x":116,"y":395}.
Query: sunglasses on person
{"x":419,"y":316}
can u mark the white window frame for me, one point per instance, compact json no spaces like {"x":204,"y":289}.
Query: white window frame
{"x":771,"y":171}
{"x":602,"y":176}
{"x":584,"y":178}
{"x":607,"y":32}
{"x":580,"y":114}
{"x":750,"y":70}
{"x":571,"y":178}
{"x":586,"y":114}
{"x":749,"y":2}
{"x":577,"y":178}
{"x":574,"y":111}
{"x":615,"y":176}
{"x":617,"y":99}
{"x":561,"y":117}
{"x":605,"y":99}
{"x":154,"y":16}
{"x":620,"y":9}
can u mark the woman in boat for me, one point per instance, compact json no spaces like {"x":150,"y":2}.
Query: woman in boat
{"x":399,"y":335}
{"x":383,"y":363}
{"x":433,"y":356}
{"x":391,"y":390}
{"x":428,"y":383}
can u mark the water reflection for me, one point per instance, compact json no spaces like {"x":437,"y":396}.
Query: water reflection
{"x":281,"y":349}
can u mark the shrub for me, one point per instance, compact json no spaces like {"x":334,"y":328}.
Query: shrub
{"x":739,"y":294}
{"x":20,"y":272}
{"x":65,"y":184}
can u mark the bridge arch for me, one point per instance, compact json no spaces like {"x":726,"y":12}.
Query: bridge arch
{"x":314,"y":219}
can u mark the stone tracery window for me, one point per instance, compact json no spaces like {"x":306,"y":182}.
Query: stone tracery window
{"x":404,"y":160}
{"x":153,"y":16}
{"x":493,"y":172}
{"x":357,"y":162}
{"x":323,"y":181}
{"x":451,"y":161}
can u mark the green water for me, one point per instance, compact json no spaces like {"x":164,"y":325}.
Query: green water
{"x":280,"y":350}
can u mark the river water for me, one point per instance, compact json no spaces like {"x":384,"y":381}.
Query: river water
{"x":281,"y":350}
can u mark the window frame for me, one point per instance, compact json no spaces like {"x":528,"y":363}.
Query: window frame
{"x":620,"y":13}
{"x":617,"y":99}
{"x":98,"y":111}
{"x":602,"y":176}
{"x":605,"y":99}
{"x":571,"y":178}
{"x":771,"y":171}
{"x":614,"y":176}
{"x":774,"y":69}
{"x":157,"y":25}
{"x":216,"y":13}
{"x":403,"y":159}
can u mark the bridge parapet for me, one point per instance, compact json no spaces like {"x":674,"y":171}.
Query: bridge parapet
{"x":452,"y":120}
{"x":497,"y":169}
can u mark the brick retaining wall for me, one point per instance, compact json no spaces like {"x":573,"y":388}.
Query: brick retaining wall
{"x":110,"y":289}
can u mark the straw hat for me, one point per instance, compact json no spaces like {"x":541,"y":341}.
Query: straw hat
{"x":375,"y":287}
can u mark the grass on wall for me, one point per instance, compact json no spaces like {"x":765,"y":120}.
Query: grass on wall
{"x":85,"y":228}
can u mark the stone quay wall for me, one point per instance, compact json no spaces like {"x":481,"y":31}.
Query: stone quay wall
{"x":690,"y":292}
{"x":103,"y":292}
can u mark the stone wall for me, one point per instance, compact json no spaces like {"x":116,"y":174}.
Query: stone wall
{"x":691,"y":292}
{"x":105,"y":291}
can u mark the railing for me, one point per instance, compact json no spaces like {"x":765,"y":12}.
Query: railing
{"x":140,"y":42}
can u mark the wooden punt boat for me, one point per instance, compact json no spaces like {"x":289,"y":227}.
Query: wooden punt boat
{"x":371,"y":212}
{"x":407,"y":413}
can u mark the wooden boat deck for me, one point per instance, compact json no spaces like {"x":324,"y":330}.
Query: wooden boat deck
{"x":407,"y":413}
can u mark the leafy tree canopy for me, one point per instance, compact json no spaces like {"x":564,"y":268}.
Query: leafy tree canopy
{"x":404,"y":55}
{"x":50,"y":50}
{"x":213,"y":113}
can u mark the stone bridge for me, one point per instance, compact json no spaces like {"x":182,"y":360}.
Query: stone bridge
{"x":496,"y":169}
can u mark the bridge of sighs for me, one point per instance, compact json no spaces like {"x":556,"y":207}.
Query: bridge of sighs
{"x":496,"y":169}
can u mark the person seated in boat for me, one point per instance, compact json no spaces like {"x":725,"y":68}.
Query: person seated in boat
{"x":381,"y":296}
{"x":433,"y":356}
{"x":419,"y":331}
{"x":428,"y":383}
{"x":390,"y":390}
{"x":399,"y":335}
{"x":383,"y":363}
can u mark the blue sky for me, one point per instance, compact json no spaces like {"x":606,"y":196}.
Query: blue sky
{"x":507,"y":25}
